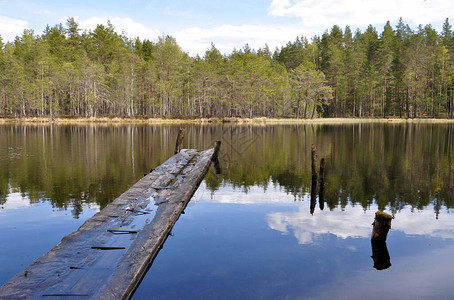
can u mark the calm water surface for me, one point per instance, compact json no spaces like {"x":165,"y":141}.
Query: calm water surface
{"x":255,"y":231}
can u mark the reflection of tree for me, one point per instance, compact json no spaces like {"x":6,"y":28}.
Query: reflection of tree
{"x":74,"y":165}
{"x":390,"y":164}
{"x":380,"y":255}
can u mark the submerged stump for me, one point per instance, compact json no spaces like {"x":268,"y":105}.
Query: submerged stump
{"x":321,"y":195}
{"x":380,"y":254}
{"x":382,"y":224}
{"x":313,"y":165}
{"x":217,"y":165}
{"x":179,"y":141}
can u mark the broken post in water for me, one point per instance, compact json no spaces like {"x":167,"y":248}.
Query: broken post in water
{"x":321,"y":195}
{"x":382,"y":224}
{"x":313,"y":196}
{"x":314,"y":180}
{"x":179,"y":141}
{"x":380,"y":254}
{"x":217,"y":166}
{"x":107,"y":257}
{"x":313,"y":157}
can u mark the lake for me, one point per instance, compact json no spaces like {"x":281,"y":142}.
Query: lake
{"x":258,"y":230}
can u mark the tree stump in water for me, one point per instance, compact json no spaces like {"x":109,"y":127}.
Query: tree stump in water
{"x":382,"y":224}
{"x":179,"y":141}
{"x":314,"y":155}
{"x":313,"y":195}
{"x":217,"y":146}
{"x":314,"y":180}
{"x":380,"y":255}
{"x":321,"y":195}
{"x":217,"y":166}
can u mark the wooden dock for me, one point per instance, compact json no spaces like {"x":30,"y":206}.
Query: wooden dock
{"x":109,"y":254}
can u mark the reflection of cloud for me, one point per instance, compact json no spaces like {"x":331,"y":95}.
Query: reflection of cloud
{"x":253,"y":195}
{"x":424,"y":223}
{"x":15,"y":201}
{"x":353,"y":222}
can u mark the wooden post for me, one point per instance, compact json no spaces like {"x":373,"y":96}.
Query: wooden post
{"x":322,"y":170}
{"x":179,"y":141}
{"x":217,"y":145}
{"x":314,"y":155}
{"x":313,"y":195}
{"x":217,"y":166}
{"x":314,"y":180}
{"x":321,"y":195}
{"x":382,"y":224}
{"x":380,"y":255}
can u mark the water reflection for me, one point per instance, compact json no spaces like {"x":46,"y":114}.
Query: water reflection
{"x":264,"y":240}
{"x":349,"y":221}
{"x":73,"y":165}
{"x":392,"y":165}
{"x":275,"y":245}
{"x":355,"y":222}
{"x":321,"y":194}
{"x":313,"y":195}
{"x":380,"y":255}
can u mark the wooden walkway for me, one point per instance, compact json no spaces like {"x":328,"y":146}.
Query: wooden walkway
{"x":109,"y":254}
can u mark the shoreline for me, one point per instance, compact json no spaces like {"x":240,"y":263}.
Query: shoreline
{"x":215,"y":121}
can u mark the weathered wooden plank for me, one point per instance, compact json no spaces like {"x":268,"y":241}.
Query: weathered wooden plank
{"x":109,"y":254}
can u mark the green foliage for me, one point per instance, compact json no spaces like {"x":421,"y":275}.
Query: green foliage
{"x":69,"y":72}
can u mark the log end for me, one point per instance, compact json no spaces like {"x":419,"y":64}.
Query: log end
{"x":383,"y":215}
{"x":381,"y":226}
{"x":217,"y":146}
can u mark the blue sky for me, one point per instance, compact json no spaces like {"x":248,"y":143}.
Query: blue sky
{"x":228,"y":24}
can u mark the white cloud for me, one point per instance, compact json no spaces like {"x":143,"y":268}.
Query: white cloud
{"x":356,"y":223}
{"x":227,"y":37}
{"x":254,"y":195}
{"x":351,"y":222}
{"x":323,"y":14}
{"x":14,"y":200}
{"x":10,"y":28}
{"x":133,"y":29}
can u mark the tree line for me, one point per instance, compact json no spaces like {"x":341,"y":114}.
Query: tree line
{"x":73,"y":73}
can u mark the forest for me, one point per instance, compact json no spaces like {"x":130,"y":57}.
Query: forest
{"x":69,"y":72}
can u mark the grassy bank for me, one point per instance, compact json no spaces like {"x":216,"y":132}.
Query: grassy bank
{"x":206,"y":121}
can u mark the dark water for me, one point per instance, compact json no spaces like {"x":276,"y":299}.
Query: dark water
{"x":255,"y":231}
